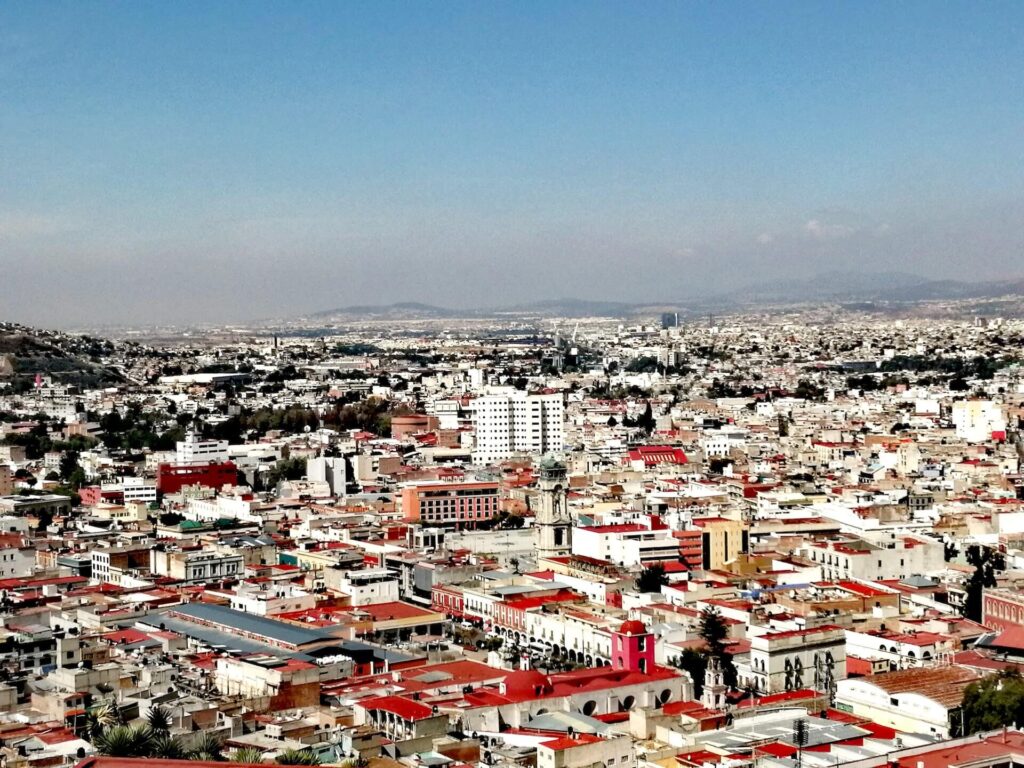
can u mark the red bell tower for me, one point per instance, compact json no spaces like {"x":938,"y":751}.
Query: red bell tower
{"x":633,"y":648}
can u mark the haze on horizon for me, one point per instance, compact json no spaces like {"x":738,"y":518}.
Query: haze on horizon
{"x":189,"y":162}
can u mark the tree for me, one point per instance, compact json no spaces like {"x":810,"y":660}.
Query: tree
{"x":646,"y":420}
{"x":986,"y":562}
{"x":695,"y":664}
{"x":714,"y":632}
{"x":298,"y":757}
{"x":992,"y":702}
{"x":68,"y":464}
{"x":652,"y":578}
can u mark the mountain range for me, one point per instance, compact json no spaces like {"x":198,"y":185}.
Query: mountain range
{"x":887,"y":288}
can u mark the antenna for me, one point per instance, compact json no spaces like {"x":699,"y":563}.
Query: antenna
{"x":800,"y":739}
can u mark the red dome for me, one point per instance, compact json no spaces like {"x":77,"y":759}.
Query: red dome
{"x":632,"y":628}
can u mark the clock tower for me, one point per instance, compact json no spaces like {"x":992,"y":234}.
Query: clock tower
{"x":552,"y":519}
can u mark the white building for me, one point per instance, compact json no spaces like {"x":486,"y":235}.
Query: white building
{"x":515,"y":422}
{"x":910,"y":700}
{"x":330,"y":470}
{"x":803,"y":658}
{"x":364,"y":587}
{"x":267,"y":599}
{"x":977,"y":420}
{"x":194,"y":450}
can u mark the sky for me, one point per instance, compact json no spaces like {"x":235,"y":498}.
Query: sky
{"x":186,"y":162}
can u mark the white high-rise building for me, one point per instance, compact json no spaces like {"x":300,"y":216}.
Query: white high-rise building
{"x":330,"y":470}
{"x":515,"y":423}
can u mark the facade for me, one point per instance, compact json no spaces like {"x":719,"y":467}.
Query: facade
{"x":517,"y":423}
{"x":586,"y":751}
{"x":789,"y":661}
{"x":458,"y":505}
{"x":1002,"y":609}
{"x":195,"y":566}
{"x":171,"y":478}
{"x":910,"y":700}
{"x":978,"y":420}
{"x":194,"y":450}
{"x":330,"y":470}
{"x":722,"y":541}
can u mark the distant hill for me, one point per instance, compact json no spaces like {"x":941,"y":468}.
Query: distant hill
{"x":828,"y":287}
{"x":399,"y":310}
{"x":70,"y":359}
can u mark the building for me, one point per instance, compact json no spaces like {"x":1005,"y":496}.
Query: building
{"x":194,"y":450}
{"x":553,"y":521}
{"x":722,"y":541}
{"x":910,"y":700}
{"x":171,"y":478}
{"x":450,"y":504}
{"x":586,"y":750}
{"x":117,"y":564}
{"x":194,"y":566}
{"x":899,"y":558}
{"x":977,"y":421}
{"x":626,"y":544}
{"x":802,"y":658}
{"x":43,"y":507}
{"x":517,"y":423}
{"x":17,"y":558}
{"x":1002,"y":608}
{"x":330,"y":470}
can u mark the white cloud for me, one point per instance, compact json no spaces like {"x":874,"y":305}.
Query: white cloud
{"x":766,"y":238}
{"x":824,"y":230}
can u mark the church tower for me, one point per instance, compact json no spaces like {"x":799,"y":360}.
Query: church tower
{"x":715,"y":689}
{"x":552,"y":520}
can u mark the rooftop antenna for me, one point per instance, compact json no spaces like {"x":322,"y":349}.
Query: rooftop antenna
{"x":800,"y":739}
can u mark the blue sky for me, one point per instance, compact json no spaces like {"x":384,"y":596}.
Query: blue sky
{"x":215,"y":161}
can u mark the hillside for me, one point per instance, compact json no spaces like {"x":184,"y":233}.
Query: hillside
{"x":69,"y":359}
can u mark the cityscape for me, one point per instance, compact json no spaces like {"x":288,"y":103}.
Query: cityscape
{"x":562,"y":385}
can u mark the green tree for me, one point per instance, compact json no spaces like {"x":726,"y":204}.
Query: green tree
{"x":646,"y":420}
{"x":68,"y":464}
{"x":695,"y":663}
{"x":713,"y":632}
{"x":992,"y":702}
{"x":652,"y":578}
{"x":986,"y":562}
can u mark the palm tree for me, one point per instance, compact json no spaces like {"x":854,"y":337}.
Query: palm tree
{"x":298,"y":757}
{"x":107,"y":714}
{"x":125,"y":741}
{"x":159,"y":719}
{"x":209,"y":747}
{"x":249,"y":755}
{"x":93,"y":726}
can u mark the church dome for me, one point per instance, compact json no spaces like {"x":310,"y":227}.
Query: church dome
{"x":632,"y":627}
